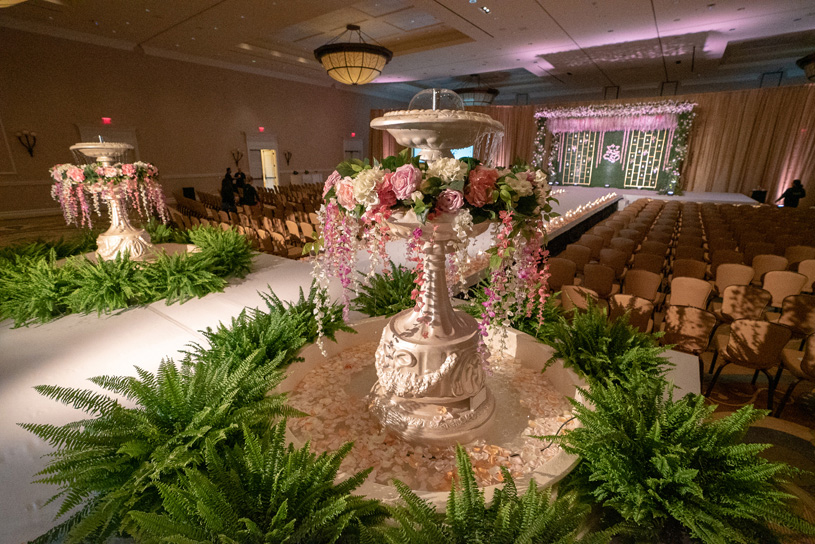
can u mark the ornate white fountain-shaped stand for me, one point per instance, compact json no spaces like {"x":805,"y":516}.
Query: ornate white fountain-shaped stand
{"x":431,"y":386}
{"x":121,"y":237}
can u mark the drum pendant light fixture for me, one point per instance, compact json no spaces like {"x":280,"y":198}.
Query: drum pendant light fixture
{"x":353,"y":62}
{"x":477,"y":95}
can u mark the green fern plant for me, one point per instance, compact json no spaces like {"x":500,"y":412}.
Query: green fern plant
{"x":111,"y":463}
{"x":83,"y":243}
{"x":261,"y":491}
{"x":229,"y":252}
{"x":597,"y":348}
{"x":386,"y":294}
{"x":179,"y":278}
{"x":510,"y":518}
{"x":663,"y":468}
{"x":162,"y":234}
{"x":109,"y":285}
{"x":34,"y":290}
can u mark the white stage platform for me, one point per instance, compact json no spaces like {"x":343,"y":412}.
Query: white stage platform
{"x":74,"y":348}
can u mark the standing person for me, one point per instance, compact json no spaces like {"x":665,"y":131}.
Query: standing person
{"x":228,"y":193}
{"x":240,"y":181}
{"x":792,"y":195}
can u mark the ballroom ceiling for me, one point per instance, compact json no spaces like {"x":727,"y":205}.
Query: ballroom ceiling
{"x":531,"y":50}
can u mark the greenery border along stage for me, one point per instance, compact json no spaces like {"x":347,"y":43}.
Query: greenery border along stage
{"x":200,"y":457}
{"x":34,"y":289}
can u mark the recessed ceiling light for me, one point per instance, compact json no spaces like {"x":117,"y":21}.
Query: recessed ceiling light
{"x":113,"y":31}
{"x":193,"y":38}
{"x":243,"y":17}
{"x":127,"y":22}
{"x":214,"y":28}
{"x":485,"y":9}
{"x":473,"y":1}
{"x":176,"y":45}
{"x":677,"y":20}
{"x":254,"y":60}
{"x":50,"y":18}
{"x":147,"y":10}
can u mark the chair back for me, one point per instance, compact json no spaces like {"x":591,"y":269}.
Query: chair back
{"x":798,"y":313}
{"x":561,"y":272}
{"x":640,"y":311}
{"x":593,"y":242}
{"x":783,"y":283}
{"x":807,"y":268}
{"x":796,"y":254}
{"x":626,"y":245}
{"x":744,"y":302}
{"x":606,"y":233}
{"x":615,"y":259}
{"x":724,"y":256}
{"x":631,"y":234}
{"x":733,"y":274}
{"x":599,"y":278}
{"x":688,"y":240}
{"x":755,"y":343}
{"x":767,"y":263}
{"x":642,"y":283}
{"x":751,"y":249}
{"x":655,"y":248}
{"x":697,"y":253}
{"x":690,"y":292}
{"x":716,"y":244}
{"x":575,"y":297}
{"x":648,"y":261}
{"x":689,"y":268}
{"x":578,"y":254}
{"x":808,"y":362}
{"x":689,"y":329}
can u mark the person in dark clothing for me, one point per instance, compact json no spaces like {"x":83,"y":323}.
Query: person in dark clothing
{"x":250,"y":194}
{"x":228,"y":193}
{"x":792,"y":195}
{"x":240,"y":179}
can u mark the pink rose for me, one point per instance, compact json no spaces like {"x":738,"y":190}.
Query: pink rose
{"x":76,"y":174}
{"x":450,"y":201}
{"x":405,"y":180}
{"x":482,"y":182}
{"x":110,"y":172}
{"x":331,"y":182}
{"x":345,"y":193}
{"x":128,"y":169}
{"x":387,"y":198}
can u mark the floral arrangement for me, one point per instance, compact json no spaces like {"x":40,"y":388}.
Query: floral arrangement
{"x":78,"y":189}
{"x":360,"y":198}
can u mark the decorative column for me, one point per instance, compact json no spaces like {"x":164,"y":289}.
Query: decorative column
{"x":121,"y":236}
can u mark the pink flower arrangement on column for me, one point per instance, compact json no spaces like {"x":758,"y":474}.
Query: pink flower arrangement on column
{"x":77,"y":188}
{"x":361,"y":197}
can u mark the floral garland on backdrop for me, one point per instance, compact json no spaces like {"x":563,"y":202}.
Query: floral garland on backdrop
{"x":675,"y":117}
{"x":79,"y":188}
{"x":360,"y":197}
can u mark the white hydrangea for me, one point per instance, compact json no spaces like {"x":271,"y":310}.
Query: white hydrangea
{"x":541,"y":178}
{"x":521,"y":186}
{"x":365,"y":186}
{"x":448,"y":169}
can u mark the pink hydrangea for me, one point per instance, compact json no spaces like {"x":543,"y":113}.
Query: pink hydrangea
{"x":450,"y":201}
{"x":128,"y":169}
{"x":331,"y":182}
{"x":405,"y":180}
{"x":76,"y":174}
{"x":482,"y":182}
{"x":110,"y":172}
{"x":387,"y":198}
{"x":345,"y":193}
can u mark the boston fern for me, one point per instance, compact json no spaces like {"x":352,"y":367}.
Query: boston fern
{"x":663,"y":467}
{"x":597,"y":348}
{"x":34,"y":290}
{"x":179,"y":278}
{"x":108,"y":285}
{"x":261,"y":491}
{"x":530,"y":518}
{"x":386,"y":294}
{"x":229,"y":252}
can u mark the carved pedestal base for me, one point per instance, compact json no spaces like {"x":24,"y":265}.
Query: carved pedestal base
{"x":116,"y":240}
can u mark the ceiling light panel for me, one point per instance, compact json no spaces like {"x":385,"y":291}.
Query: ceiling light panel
{"x":378,"y":8}
{"x":412,"y":19}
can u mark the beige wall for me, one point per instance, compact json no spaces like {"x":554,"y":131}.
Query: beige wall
{"x":187,"y":116}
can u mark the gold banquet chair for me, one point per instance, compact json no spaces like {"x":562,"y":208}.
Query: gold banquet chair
{"x":689,"y":330}
{"x":801,"y":365}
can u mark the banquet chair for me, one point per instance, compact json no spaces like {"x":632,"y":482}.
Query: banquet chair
{"x":785,"y":241}
{"x":696,"y":253}
{"x":742,"y":302}
{"x":626,"y":245}
{"x":294,"y":233}
{"x":754,"y":344}
{"x":600,"y":279}
{"x":223,"y":216}
{"x":234,"y":218}
{"x":632,"y":234}
{"x":689,"y":330}
{"x":648,"y":261}
{"x":659,"y":235}
{"x":655,"y":248}
{"x":781,"y":284}
{"x":313,"y":219}
{"x":798,"y":315}
{"x":606,"y":233}
{"x":615,"y":259}
{"x":561,"y":272}
{"x":732,"y":274}
{"x":265,"y":241}
{"x":574,"y":297}
{"x":724,"y":256}
{"x":643,"y":284}
{"x":767,"y":263}
{"x":594,"y":243}
{"x":807,"y":268}
{"x":688,"y":240}
{"x":796,"y":254}
{"x":614,"y":224}
{"x":751,"y":249}
{"x":689,"y":268}
{"x":802,"y":367}
{"x":716,"y":244}
{"x":689,"y":292}
{"x":307,"y":230}
{"x":286,"y":249}
{"x":225,"y":226}
{"x":640,"y":311}
{"x":578,"y":254}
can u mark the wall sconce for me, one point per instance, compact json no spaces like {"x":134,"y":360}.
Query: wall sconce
{"x":287,"y":156}
{"x":28,"y":140}
{"x":237,"y":156}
